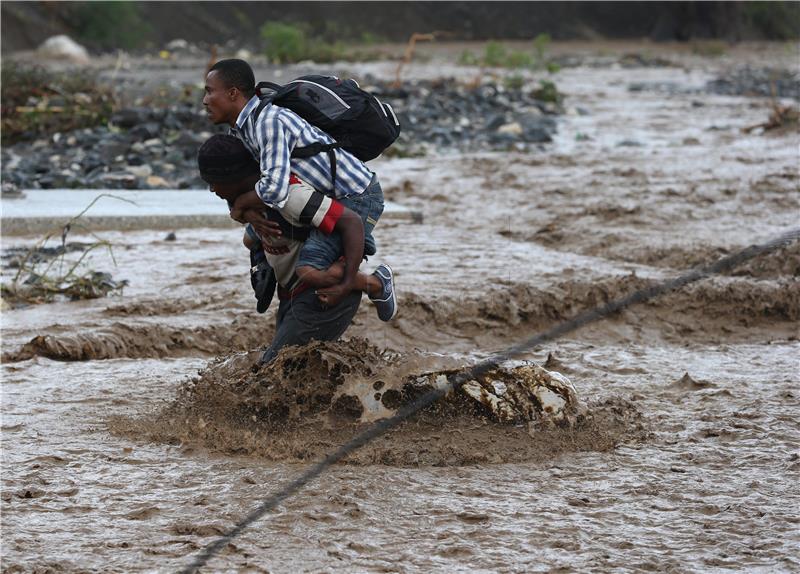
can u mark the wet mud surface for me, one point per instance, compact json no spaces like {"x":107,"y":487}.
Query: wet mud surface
{"x":128,"y":434}
{"x":312,"y":399}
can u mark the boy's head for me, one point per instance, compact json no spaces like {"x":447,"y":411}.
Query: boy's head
{"x":227,"y":166}
{"x":229,"y":86}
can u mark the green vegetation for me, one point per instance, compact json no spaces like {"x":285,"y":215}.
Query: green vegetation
{"x":498,"y":55}
{"x":540,"y":45}
{"x":284,"y":42}
{"x":370,"y":38}
{"x":289,"y":43}
{"x":110,"y":25}
{"x":775,"y":20}
{"x":38,"y":102}
{"x":514,"y":82}
{"x":468,"y":58}
{"x":548,"y":92}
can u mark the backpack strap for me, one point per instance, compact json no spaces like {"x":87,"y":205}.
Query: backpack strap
{"x":268,"y":85}
{"x":265,"y":101}
{"x":298,"y":152}
{"x":319,"y":147}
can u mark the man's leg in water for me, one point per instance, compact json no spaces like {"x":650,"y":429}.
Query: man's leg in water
{"x":303,"y":319}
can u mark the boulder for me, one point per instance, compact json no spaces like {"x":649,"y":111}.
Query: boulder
{"x":139,"y":170}
{"x":128,"y":118}
{"x":145,"y":131}
{"x":515,"y":392}
{"x":536,"y":128}
{"x":63,"y":48}
{"x":512,"y":129}
{"x":157,"y":182}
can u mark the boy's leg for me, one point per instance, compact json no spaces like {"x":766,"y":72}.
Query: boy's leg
{"x":303,"y":319}
{"x":331,"y":276}
{"x":321,"y":250}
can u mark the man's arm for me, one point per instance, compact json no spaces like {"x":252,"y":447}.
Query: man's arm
{"x":351,"y":228}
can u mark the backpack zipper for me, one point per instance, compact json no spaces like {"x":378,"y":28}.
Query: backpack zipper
{"x":380,"y":105}
{"x":396,"y":121}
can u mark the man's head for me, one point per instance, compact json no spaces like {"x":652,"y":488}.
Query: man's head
{"x":229,"y":86}
{"x":227,"y":166}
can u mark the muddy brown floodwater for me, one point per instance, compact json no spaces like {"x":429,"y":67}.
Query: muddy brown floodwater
{"x":697,"y":468}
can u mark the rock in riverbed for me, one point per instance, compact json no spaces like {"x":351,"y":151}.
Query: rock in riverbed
{"x":141,"y":143}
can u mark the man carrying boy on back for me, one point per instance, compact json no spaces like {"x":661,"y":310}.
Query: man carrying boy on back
{"x":304,"y":314}
{"x":271,"y":136}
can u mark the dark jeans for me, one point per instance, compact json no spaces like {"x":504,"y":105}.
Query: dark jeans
{"x":303,"y":319}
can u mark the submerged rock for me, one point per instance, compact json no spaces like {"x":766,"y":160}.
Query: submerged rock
{"x":11,"y":190}
{"x":517,"y":392}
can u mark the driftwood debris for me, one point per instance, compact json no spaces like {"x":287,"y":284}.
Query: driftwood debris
{"x":779,"y":117}
{"x":409,"y":52}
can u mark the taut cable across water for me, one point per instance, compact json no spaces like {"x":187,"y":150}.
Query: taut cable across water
{"x":379,"y":428}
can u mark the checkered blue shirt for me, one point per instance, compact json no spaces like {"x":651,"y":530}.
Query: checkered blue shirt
{"x":271,"y":139}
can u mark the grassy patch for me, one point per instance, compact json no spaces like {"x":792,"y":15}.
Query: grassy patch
{"x":286,"y":43}
{"x":498,"y":55}
{"x":548,"y":92}
{"x":514,"y":82}
{"x":110,"y":25}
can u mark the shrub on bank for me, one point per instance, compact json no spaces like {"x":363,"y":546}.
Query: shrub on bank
{"x":110,"y":25}
{"x":36,"y":102}
{"x":497,"y":55}
{"x":548,"y":92}
{"x":774,"y":20}
{"x":291,"y":43}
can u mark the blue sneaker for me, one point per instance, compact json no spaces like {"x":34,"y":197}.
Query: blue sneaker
{"x":386,"y":302}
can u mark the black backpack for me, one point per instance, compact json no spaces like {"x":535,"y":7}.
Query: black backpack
{"x":359,"y":122}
